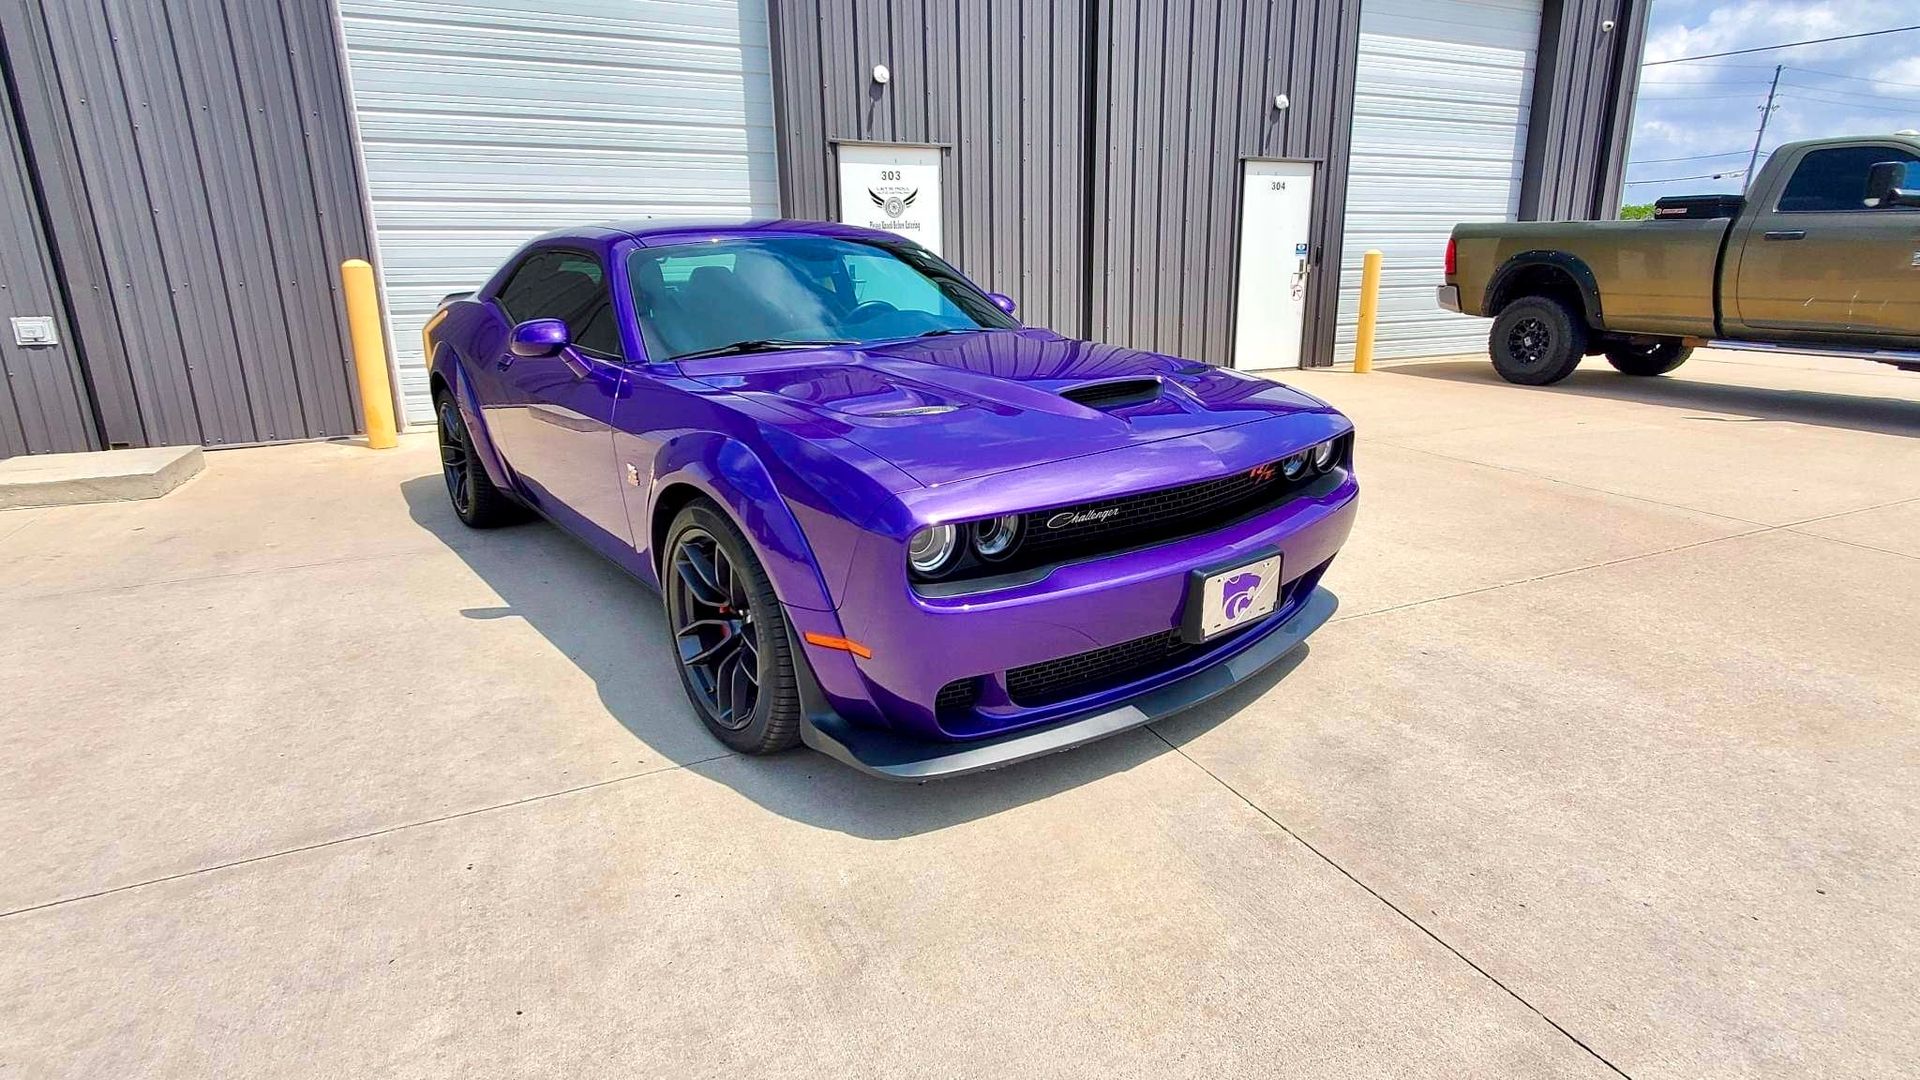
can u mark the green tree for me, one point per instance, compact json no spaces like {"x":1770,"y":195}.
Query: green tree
{"x":1636,"y":212}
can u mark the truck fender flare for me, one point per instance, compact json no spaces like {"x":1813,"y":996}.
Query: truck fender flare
{"x":1571,"y":265}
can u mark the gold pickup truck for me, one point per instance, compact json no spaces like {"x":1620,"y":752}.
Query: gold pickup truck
{"x":1823,"y":253}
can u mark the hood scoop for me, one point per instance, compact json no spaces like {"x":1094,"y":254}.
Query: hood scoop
{"x":1114,"y":393}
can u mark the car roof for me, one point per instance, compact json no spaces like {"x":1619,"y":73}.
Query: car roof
{"x":658,"y":230}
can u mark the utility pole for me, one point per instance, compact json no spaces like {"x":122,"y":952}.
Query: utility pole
{"x":1765,"y":112}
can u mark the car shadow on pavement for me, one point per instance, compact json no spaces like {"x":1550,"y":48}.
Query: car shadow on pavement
{"x":1883,"y":415}
{"x":611,"y":627}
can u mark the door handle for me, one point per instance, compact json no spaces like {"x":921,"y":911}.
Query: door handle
{"x":1787,"y":234}
{"x":504,"y":362}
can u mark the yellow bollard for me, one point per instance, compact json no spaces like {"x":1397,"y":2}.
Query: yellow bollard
{"x":369,"y":351}
{"x":1369,"y":311}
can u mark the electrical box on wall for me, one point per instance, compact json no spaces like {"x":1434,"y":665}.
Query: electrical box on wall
{"x":34,"y":330}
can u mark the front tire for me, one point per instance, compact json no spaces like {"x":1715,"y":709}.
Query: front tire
{"x":477,"y":503}
{"x":1657,"y":358}
{"x":1537,"y":341}
{"x":729,"y":633}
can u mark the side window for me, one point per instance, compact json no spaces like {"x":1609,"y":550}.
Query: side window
{"x":1832,"y":181}
{"x":568,"y":286}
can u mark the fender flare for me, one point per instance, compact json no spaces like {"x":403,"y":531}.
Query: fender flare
{"x":447,"y":360}
{"x":727,"y":471}
{"x":1567,"y":263}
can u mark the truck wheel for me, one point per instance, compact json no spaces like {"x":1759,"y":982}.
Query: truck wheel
{"x":1537,"y":340}
{"x":1657,"y":358}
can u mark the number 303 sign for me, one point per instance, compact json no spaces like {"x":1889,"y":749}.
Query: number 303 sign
{"x":895,"y":188}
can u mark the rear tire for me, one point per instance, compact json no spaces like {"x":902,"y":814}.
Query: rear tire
{"x":729,"y":633}
{"x":1658,"y":358}
{"x":1537,"y":341}
{"x":477,"y":503}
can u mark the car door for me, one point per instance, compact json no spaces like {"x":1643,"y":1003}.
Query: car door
{"x":1822,"y":261}
{"x":553,"y":415}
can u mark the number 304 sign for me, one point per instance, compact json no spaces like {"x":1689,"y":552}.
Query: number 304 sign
{"x":896,"y":188}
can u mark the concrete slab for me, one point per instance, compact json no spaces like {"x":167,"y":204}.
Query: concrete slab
{"x":298,"y":775}
{"x":1671,"y":802}
{"x":1430,"y":527}
{"x":1893,"y":528}
{"x":1680,"y":442}
{"x":1109,"y":913}
{"x":276,"y":507}
{"x":103,"y":476}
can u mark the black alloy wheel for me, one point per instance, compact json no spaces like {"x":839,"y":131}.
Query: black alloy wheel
{"x":712,"y":615}
{"x":456,"y":458}
{"x":1528,"y":341}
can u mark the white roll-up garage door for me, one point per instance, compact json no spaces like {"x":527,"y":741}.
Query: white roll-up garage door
{"x":485,"y":122}
{"x":1441,"y":97}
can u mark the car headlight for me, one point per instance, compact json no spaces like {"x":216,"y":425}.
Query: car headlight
{"x":1323,"y":456}
{"x":932,"y":548}
{"x":994,"y":538}
{"x":1295,"y":465}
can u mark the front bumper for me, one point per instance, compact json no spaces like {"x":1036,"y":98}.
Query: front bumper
{"x":1448,"y":296}
{"x":894,"y":757}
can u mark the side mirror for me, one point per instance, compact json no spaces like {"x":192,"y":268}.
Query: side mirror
{"x":539,"y":337}
{"x":1002,"y":301}
{"x":1887,"y":186}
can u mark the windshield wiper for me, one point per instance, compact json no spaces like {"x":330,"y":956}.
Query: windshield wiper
{"x":754,"y":345}
{"x":945,"y":330}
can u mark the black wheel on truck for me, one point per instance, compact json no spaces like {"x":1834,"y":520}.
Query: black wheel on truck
{"x":1537,"y":340}
{"x":1653,"y":358}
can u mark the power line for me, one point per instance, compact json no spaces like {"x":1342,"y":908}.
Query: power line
{"x":1854,"y":93}
{"x":1689,"y":157}
{"x":1855,"y":78}
{"x":1782,"y":45}
{"x":1911,"y":110}
{"x":1704,"y":176}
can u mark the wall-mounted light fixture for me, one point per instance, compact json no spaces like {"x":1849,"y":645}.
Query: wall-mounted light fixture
{"x":1281,"y":101}
{"x":1606,"y":26}
{"x":881,"y":74}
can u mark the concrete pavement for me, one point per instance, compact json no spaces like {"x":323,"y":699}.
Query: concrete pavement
{"x":1609,"y":765}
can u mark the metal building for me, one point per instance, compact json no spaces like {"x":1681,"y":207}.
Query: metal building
{"x":1195,"y":176}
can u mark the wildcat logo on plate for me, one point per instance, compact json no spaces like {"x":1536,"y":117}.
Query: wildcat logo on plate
{"x":1244,"y":594}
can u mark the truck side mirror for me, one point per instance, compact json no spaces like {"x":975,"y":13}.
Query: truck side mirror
{"x":1887,"y":186}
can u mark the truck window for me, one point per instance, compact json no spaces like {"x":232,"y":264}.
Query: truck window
{"x":1830,"y":181}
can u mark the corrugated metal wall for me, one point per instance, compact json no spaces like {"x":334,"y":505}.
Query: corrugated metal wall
{"x":486,"y":122}
{"x":44,"y":407}
{"x":1001,"y":83}
{"x":1095,"y":151}
{"x":1186,"y":91}
{"x":1440,"y":119}
{"x":1589,"y":75}
{"x":196,"y":163}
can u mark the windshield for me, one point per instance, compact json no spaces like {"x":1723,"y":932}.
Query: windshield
{"x":771,"y":291}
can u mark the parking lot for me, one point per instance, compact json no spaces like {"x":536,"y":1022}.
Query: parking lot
{"x":1609,"y":764}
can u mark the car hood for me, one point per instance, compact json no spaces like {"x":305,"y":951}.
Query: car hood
{"x":954,"y":408}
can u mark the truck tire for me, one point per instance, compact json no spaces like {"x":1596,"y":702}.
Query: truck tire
{"x":1657,"y":358}
{"x":1537,"y":341}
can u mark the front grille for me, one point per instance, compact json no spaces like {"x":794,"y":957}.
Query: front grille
{"x":957,"y":696}
{"x":1065,"y":532}
{"x":1071,"y":676}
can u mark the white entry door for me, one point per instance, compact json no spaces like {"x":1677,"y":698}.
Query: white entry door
{"x":1276,"y":257}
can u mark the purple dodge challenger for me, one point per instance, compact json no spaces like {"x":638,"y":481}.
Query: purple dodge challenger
{"x":887,"y":520}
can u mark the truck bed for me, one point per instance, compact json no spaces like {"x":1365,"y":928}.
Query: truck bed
{"x":1659,"y":276}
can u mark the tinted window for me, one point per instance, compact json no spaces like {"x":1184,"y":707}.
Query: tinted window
{"x":570,"y":287}
{"x":695,"y":297}
{"x":1835,"y":180}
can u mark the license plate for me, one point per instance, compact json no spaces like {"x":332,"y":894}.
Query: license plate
{"x":1219,"y":600}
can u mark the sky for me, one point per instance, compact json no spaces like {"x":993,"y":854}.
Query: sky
{"x":1703,"y":115}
